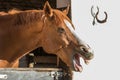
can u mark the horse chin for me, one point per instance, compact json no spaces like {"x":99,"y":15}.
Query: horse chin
{"x":77,"y":63}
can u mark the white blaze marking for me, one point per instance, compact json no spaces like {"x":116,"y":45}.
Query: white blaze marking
{"x":69,"y":25}
{"x":81,"y":42}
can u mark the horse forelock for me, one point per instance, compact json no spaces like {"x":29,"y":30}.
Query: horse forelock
{"x":64,"y":18}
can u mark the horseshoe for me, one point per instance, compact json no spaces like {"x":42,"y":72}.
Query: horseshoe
{"x":95,"y":16}
{"x":98,"y":20}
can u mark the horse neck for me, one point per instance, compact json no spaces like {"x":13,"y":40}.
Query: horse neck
{"x":25,"y":35}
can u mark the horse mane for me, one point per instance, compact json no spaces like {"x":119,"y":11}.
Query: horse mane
{"x":27,"y":17}
{"x":14,"y":11}
{"x":22,"y":17}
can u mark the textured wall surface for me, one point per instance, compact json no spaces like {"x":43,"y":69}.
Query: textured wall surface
{"x":6,"y":5}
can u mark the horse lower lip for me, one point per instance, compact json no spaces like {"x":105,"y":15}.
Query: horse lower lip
{"x":76,"y":62}
{"x":78,"y":67}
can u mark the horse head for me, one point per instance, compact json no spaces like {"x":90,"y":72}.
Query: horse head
{"x":58,"y":37}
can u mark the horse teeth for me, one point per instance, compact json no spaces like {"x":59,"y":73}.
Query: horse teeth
{"x":87,"y":62}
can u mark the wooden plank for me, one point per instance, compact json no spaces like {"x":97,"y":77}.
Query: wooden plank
{"x":31,"y":69}
{"x":31,"y":74}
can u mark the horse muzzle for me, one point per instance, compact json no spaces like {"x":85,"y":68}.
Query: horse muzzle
{"x":84,"y":52}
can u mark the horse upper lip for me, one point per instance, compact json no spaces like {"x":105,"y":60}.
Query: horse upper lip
{"x":85,"y":53}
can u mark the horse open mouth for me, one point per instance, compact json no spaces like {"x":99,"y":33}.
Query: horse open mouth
{"x":77,"y":63}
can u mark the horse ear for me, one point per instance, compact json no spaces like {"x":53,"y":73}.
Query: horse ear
{"x":47,"y":9}
{"x":66,"y":10}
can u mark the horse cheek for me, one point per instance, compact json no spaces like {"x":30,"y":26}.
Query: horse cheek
{"x":66,"y":42}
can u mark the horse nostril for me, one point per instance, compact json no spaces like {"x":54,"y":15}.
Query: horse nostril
{"x":84,"y":49}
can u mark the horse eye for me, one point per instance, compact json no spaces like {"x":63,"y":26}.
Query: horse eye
{"x":61,"y":30}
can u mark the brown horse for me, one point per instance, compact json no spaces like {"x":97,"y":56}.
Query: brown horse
{"x":24,"y":31}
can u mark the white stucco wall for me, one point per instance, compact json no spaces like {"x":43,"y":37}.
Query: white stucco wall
{"x":103,"y":38}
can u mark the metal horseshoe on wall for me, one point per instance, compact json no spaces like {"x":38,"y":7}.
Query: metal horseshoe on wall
{"x":95,"y":16}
